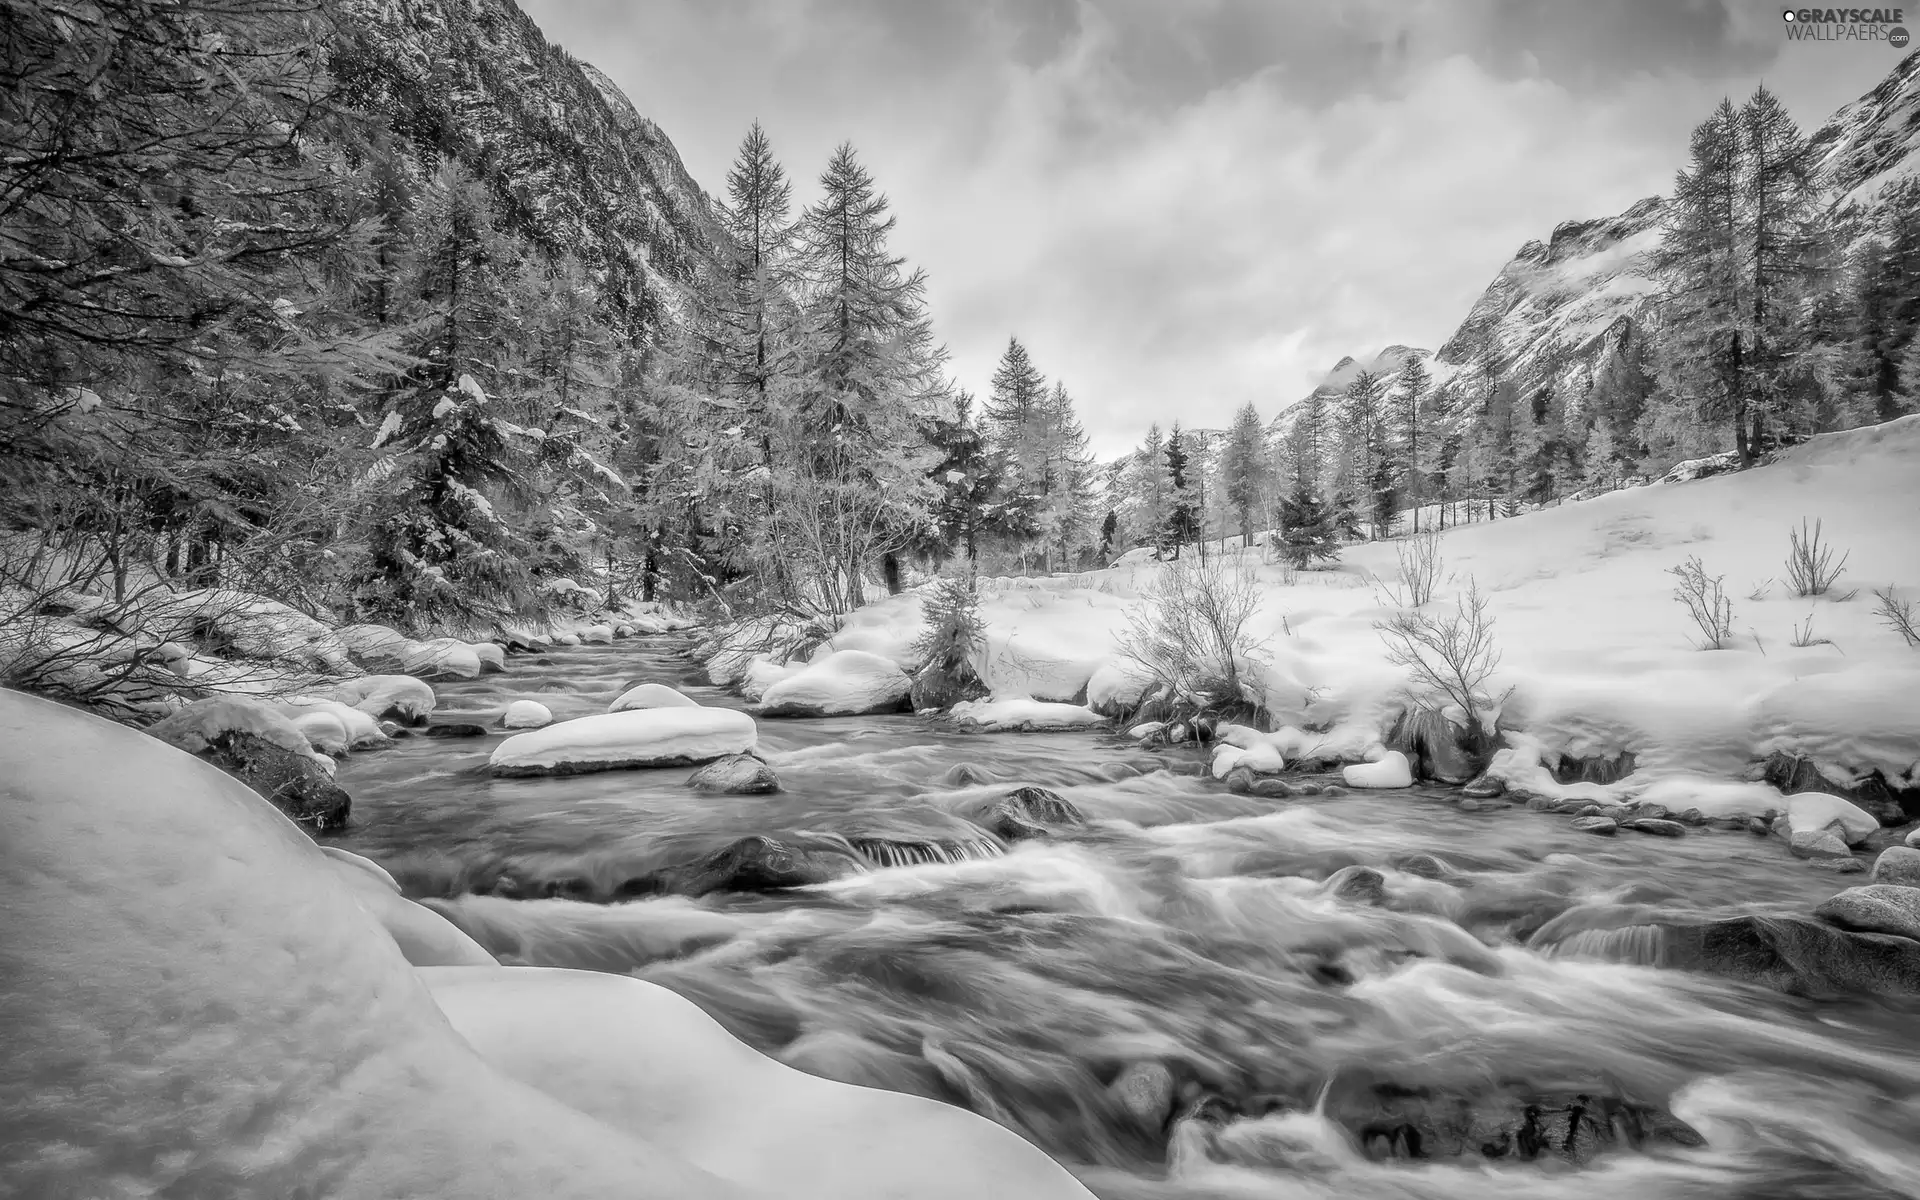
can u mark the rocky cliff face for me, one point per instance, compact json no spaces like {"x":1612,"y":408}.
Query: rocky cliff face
{"x":571,"y":165}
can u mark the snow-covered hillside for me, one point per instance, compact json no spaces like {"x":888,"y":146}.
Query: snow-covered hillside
{"x":1601,"y":657}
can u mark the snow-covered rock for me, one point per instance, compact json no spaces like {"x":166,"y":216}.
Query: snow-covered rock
{"x":387,"y":697}
{"x":260,"y":747}
{"x":650,"y":737}
{"x":1024,"y":715}
{"x":1145,"y":730}
{"x":1808,"y":812}
{"x":361,"y":730}
{"x":1118,"y":686}
{"x":1262,"y":758}
{"x":650,"y":695}
{"x":373,"y":646}
{"x":492,"y":656}
{"x":843,"y":683}
{"x":324,"y":731}
{"x":762,"y":673}
{"x":596,"y":634}
{"x":444,"y":658}
{"x":1391,"y":771}
{"x":526,"y":714}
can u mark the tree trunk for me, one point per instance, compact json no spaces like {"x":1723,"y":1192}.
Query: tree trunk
{"x":890,"y":570}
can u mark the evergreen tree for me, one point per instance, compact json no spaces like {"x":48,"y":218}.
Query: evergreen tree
{"x":1783,"y":261}
{"x":1700,"y":262}
{"x":1066,"y":513}
{"x":868,"y":377}
{"x":1308,"y":530}
{"x":1885,"y":308}
{"x":1408,"y":416}
{"x":1109,"y":530}
{"x":1017,"y":415}
{"x":1151,"y":490}
{"x":1245,"y":470}
{"x":1365,"y":487}
{"x":1183,"y":521}
{"x":968,"y":475}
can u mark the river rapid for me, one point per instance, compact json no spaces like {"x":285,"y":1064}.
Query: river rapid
{"x":1174,"y":998}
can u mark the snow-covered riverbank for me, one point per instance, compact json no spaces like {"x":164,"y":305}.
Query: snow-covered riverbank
{"x":1601,"y":659}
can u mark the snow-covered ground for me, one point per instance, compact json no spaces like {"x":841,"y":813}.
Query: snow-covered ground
{"x":1599,"y":655}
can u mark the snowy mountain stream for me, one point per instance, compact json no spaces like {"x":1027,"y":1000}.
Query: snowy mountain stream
{"x":1175,"y":998}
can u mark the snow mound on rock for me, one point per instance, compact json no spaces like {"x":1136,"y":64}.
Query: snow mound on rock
{"x":843,"y":683}
{"x":1392,"y":771}
{"x":397,"y":696}
{"x":1810,"y":812}
{"x":1023,"y":715}
{"x":650,"y":737}
{"x":650,"y":695}
{"x":526,"y":714}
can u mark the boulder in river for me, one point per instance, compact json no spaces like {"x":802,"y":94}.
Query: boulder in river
{"x":735,"y":775}
{"x":1596,"y":824}
{"x":1439,"y":749}
{"x":1391,"y":771}
{"x":650,"y":695}
{"x":1505,"y":1121}
{"x":1809,"y":811}
{"x":1025,"y":812}
{"x":1886,"y":803}
{"x":263,"y":750}
{"x":762,"y":863}
{"x":526,"y":714}
{"x":1360,"y":884}
{"x":944,"y":681}
{"x":400,"y":698}
{"x":1898,"y":865}
{"x":1657,"y":826}
{"x":1875,"y":908}
{"x":1818,"y":844}
{"x":1795,"y":954}
{"x":650,"y":737}
{"x":844,"y":683}
{"x":961,"y":775}
{"x":1146,"y":1092}
{"x":455,"y":729}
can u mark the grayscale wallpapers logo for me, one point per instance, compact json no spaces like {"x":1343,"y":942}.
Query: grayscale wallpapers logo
{"x":1847,"y":25}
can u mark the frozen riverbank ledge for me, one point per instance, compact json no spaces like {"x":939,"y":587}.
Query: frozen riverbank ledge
{"x":199,"y":1001}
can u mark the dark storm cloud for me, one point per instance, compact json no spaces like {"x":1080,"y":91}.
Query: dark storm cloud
{"x":1185,"y":206}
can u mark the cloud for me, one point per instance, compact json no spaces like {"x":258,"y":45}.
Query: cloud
{"x":1184,"y":208}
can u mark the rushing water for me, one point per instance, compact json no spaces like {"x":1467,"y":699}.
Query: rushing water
{"x":1173,"y":998}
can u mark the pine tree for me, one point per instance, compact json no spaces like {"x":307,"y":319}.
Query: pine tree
{"x":1182,"y":518}
{"x":868,"y":377}
{"x":1885,"y":302}
{"x":1066,"y":483}
{"x":1245,"y":470}
{"x":1700,"y":262}
{"x":1367,"y":472}
{"x":1109,"y":530}
{"x":1151,"y":490}
{"x":1408,"y":414}
{"x":1602,"y":456}
{"x":1782,"y":194}
{"x":1308,"y":530}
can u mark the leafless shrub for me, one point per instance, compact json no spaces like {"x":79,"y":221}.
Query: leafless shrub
{"x":1706,"y":602}
{"x":1811,"y":570}
{"x":1898,"y":615}
{"x":1760,"y":590}
{"x":1449,"y":657}
{"x":1421,"y":572}
{"x":1191,"y":634}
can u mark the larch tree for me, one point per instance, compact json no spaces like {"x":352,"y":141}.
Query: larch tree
{"x":1245,"y":470}
{"x":869,"y":375}
{"x":1408,"y":414}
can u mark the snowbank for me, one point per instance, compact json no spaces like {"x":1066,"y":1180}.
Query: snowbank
{"x":842,"y":683}
{"x":265,"y":992}
{"x":651,"y":737}
{"x":397,"y":697}
{"x":1023,"y":715}
{"x":1599,"y":655}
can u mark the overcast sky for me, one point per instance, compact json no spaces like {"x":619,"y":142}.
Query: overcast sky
{"x":1184,"y":205}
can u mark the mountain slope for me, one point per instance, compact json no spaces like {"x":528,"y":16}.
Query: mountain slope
{"x":1554,"y":309}
{"x":571,"y":165}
